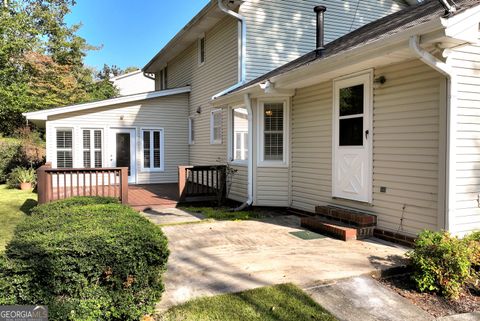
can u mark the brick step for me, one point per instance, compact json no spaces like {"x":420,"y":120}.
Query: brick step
{"x":350,"y":217}
{"x":331,"y":228}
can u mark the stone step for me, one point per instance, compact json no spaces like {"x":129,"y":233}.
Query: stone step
{"x":332,"y":228}
{"x":348,"y":216}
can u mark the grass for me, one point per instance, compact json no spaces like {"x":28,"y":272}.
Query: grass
{"x":14,"y":205}
{"x":284,"y":302}
{"x":220,"y":213}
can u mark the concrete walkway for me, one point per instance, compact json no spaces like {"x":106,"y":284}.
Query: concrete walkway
{"x":213,"y":258}
{"x":162,"y":215}
{"x":362,"y":298}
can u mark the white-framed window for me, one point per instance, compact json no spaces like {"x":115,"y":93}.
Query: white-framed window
{"x":64,"y":147}
{"x":163,"y":78}
{"x":191,"y":130}
{"x":216,"y":126}
{"x":152,"y":149}
{"x":201,"y":50}
{"x":92,"y":148}
{"x":273,"y":133}
{"x":239,"y":135}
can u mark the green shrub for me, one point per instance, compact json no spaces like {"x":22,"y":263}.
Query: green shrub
{"x":21,"y":175}
{"x":86,"y":261}
{"x":441,"y":263}
{"x":27,"y":151}
{"x":62,"y":205}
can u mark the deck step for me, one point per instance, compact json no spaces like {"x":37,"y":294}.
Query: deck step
{"x":348,"y":216}
{"x":331,"y":228}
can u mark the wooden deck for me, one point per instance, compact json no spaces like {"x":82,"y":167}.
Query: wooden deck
{"x":142,"y":197}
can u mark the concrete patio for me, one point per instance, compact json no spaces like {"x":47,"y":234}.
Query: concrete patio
{"x":213,"y":258}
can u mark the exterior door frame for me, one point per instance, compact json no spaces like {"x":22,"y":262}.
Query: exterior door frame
{"x":132,"y":179}
{"x":365,"y":78}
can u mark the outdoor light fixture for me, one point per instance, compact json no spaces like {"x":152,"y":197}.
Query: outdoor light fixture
{"x":199,"y":110}
{"x":121,"y":117}
{"x":380,"y":80}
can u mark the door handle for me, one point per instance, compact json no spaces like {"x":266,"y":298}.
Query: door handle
{"x":366,"y":133}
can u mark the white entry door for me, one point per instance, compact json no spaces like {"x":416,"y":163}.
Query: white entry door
{"x":352,"y":141}
{"x":122,"y":150}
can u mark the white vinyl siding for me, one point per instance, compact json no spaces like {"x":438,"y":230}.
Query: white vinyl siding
{"x":92,"y":148}
{"x":169,"y":113}
{"x":64,"y":150}
{"x":466,"y":61}
{"x":280,"y":31}
{"x":406,"y":126}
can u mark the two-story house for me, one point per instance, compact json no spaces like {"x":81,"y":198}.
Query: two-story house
{"x":294,"y":104}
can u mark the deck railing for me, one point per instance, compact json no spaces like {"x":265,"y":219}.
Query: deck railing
{"x":61,"y":183}
{"x":202,"y":183}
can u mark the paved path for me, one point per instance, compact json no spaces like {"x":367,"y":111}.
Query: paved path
{"x":221,"y":257}
{"x":162,"y":215}
{"x":364,"y":299}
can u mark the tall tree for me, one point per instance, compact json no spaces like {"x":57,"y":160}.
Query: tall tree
{"x":42,"y":61}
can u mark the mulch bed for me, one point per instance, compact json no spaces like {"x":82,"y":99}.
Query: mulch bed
{"x":430,"y":302}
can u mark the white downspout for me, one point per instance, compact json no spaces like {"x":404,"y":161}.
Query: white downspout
{"x":450,"y":160}
{"x":242,"y":41}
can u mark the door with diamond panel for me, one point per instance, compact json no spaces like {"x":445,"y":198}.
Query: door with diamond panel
{"x":352,"y":141}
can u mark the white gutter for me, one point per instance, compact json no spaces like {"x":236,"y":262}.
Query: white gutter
{"x":242,"y":44}
{"x":450,"y":160}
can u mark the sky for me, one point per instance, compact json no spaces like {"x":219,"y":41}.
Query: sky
{"x":130,"y":32}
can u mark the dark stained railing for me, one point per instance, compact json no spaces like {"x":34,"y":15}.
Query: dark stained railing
{"x":202,"y":183}
{"x":61,"y":183}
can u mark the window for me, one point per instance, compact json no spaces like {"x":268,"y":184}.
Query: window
{"x":92,"y":148}
{"x":64,"y":148}
{"x":351,"y":101}
{"x":163,"y":79}
{"x":216,"y":127}
{"x":240,"y":134}
{"x":191,"y":131}
{"x":201,"y":50}
{"x":152,"y":149}
{"x":273,"y":133}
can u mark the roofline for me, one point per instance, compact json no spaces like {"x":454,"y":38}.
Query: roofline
{"x":212,"y":4}
{"x":44,"y":114}
{"x":126,"y":75}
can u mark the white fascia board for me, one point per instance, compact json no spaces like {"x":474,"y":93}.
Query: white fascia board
{"x":44,"y":114}
{"x":463,"y":26}
{"x":133,"y":73}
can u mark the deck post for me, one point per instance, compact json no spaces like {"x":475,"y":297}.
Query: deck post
{"x":182,"y":182}
{"x":44,"y":184}
{"x":124,"y":184}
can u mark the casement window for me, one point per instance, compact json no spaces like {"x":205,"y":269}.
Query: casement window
{"x":201,"y":50}
{"x":64,"y":143}
{"x":273,"y":126}
{"x":92,"y":148}
{"x":191,"y":130}
{"x":216,"y":127}
{"x":152,"y":146}
{"x":239,"y":142}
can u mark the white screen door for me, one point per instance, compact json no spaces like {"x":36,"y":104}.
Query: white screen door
{"x":352,"y":141}
{"x":122,"y":150}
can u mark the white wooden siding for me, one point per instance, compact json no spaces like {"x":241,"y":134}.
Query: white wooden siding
{"x":405,"y":148}
{"x":169,"y":113}
{"x":279,"y":31}
{"x":466,"y":61}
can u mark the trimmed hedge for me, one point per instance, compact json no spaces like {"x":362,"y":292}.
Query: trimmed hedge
{"x":86,"y":261}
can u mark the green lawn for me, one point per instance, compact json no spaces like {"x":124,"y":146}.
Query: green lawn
{"x":220,"y":213}
{"x":284,"y":302}
{"x":14,"y":205}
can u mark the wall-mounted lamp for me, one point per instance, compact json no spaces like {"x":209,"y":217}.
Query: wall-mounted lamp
{"x":380,"y":80}
{"x":266,"y":86}
{"x":199,"y":110}
{"x":122,"y":117}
